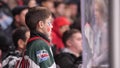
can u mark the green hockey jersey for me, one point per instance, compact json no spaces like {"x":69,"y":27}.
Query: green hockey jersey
{"x":40,"y":53}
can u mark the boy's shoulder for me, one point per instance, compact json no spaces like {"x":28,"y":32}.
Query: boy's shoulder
{"x":38,"y":43}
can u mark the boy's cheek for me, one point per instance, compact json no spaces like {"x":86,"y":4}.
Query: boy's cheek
{"x":48,"y":29}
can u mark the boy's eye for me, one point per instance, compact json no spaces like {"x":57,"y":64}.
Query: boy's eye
{"x":49,"y":23}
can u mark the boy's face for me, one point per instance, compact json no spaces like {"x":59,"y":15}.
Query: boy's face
{"x":48,"y":26}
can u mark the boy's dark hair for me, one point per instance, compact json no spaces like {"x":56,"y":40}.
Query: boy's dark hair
{"x":67,"y":34}
{"x":19,"y":33}
{"x":35,"y":15}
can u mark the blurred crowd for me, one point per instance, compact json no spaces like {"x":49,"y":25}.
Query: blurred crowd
{"x":66,"y":37}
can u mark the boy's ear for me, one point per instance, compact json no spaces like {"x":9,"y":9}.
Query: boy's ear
{"x":40,"y":24}
{"x":20,"y":43}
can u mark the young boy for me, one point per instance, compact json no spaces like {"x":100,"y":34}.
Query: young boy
{"x":38,"y":19}
{"x":20,"y":37}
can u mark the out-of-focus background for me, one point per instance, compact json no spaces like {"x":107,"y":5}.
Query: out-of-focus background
{"x":92,"y":19}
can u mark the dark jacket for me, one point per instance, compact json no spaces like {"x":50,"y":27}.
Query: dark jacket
{"x":68,"y":60}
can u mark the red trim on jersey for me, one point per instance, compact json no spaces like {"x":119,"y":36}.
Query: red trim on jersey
{"x":38,"y":37}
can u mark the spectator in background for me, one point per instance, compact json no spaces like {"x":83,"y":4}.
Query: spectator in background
{"x":73,"y":16}
{"x":70,"y":57}
{"x":74,"y":10}
{"x":76,"y":24}
{"x":32,"y":3}
{"x":59,"y":8}
{"x":19,"y":13}
{"x":20,"y":37}
{"x":48,"y":4}
{"x":5,"y":16}
{"x":60,"y":25}
{"x":5,"y":29}
{"x":67,"y":13}
{"x":11,"y":3}
{"x":101,"y":47}
{"x":99,"y":36}
{"x":4,"y":45}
